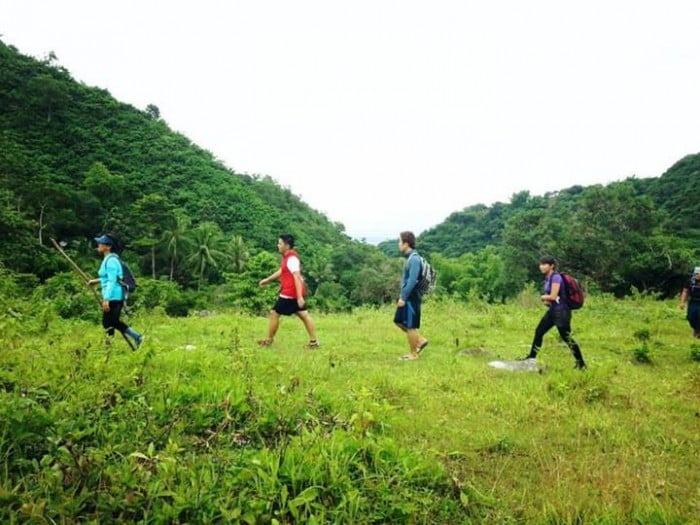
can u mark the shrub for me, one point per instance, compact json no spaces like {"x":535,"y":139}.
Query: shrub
{"x":695,"y":352}
{"x":70,"y":298}
{"x":641,"y":354}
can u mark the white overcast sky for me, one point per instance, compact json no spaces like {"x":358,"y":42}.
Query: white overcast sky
{"x":390,"y":115}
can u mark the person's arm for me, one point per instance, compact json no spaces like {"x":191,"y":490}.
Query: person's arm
{"x":553,"y":295}
{"x":413,"y":273}
{"x":299,"y":287}
{"x":270,"y":278}
{"x":684,"y":298}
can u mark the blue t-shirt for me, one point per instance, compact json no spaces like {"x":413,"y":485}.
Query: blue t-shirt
{"x":548,"y":282}
{"x":111,"y":274}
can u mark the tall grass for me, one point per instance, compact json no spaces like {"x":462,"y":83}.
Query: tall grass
{"x":201,"y":426}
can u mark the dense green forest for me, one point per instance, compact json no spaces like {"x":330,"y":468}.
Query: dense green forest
{"x":638,"y":234}
{"x":75,"y":162}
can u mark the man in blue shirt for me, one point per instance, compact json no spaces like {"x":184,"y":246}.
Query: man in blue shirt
{"x":407,"y":316}
{"x":110,"y":276}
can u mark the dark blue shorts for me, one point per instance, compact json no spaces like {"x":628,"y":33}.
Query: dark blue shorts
{"x":408,"y":315}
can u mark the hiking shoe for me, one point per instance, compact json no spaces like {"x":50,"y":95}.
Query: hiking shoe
{"x":313,"y":344}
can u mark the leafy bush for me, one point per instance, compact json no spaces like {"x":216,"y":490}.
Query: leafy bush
{"x":69,"y":296}
{"x":152,"y":293}
{"x":642,"y":355}
{"x":695,"y":352}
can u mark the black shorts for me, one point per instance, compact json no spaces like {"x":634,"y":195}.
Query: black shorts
{"x":285,"y":306}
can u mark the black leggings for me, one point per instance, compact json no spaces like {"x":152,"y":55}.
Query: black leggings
{"x":562,"y":320}
{"x":110,"y":320}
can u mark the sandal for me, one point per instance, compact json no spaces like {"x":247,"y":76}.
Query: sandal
{"x":422,"y":346}
{"x":408,"y":357}
{"x":313,"y":344}
{"x":264,"y":342}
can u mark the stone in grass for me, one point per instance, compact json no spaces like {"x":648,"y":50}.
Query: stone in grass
{"x":475,"y":352}
{"x":528,"y":365}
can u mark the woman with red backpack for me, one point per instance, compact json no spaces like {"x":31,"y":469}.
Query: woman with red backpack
{"x":558,"y":312}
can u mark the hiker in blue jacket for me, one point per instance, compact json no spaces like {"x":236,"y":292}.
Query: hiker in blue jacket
{"x":110,"y":276}
{"x":407,"y":316}
{"x":558,"y":312}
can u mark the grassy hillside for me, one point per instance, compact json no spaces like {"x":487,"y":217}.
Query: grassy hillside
{"x":200,"y":425}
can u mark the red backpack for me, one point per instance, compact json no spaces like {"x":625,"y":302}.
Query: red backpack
{"x":574,"y":293}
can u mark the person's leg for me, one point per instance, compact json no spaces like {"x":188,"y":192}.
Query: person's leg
{"x":310,"y":327}
{"x":279,"y":309}
{"x":116,"y":308}
{"x":563,"y":322}
{"x":411,"y":323}
{"x":108,"y":324}
{"x":693,"y":317}
{"x":544,"y":326}
{"x":273,"y":326}
{"x":414,"y":341}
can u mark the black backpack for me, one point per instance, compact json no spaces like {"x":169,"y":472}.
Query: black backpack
{"x":128,"y":281}
{"x":428,"y":277}
{"x":694,"y":289}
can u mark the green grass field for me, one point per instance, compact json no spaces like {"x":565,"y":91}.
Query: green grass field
{"x":201,"y":426}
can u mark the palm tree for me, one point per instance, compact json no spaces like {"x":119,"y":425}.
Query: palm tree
{"x":239,"y":253}
{"x":209,"y":245}
{"x":176,"y":239}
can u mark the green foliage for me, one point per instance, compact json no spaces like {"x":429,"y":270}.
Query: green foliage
{"x":642,"y":354}
{"x":695,"y":352}
{"x":202,"y":426}
{"x":243,"y":290}
{"x":75,"y":162}
{"x":483,"y":275}
{"x":167,"y":294}
{"x":613,"y":237}
{"x":70,"y":298}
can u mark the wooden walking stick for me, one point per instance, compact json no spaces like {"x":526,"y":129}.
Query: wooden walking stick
{"x":86,"y":279}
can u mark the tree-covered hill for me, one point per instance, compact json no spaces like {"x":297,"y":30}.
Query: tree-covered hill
{"x":63,"y":142}
{"x":75,"y":162}
{"x":636,"y":233}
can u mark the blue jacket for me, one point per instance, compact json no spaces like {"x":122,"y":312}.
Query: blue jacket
{"x":411,"y":272}
{"x":111,"y":274}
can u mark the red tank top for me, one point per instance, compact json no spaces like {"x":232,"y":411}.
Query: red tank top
{"x":287,"y":278}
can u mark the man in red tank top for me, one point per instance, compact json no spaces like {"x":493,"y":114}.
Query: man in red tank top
{"x":292,"y":291}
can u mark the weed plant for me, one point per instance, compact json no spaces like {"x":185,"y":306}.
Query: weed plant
{"x":202,"y":426}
